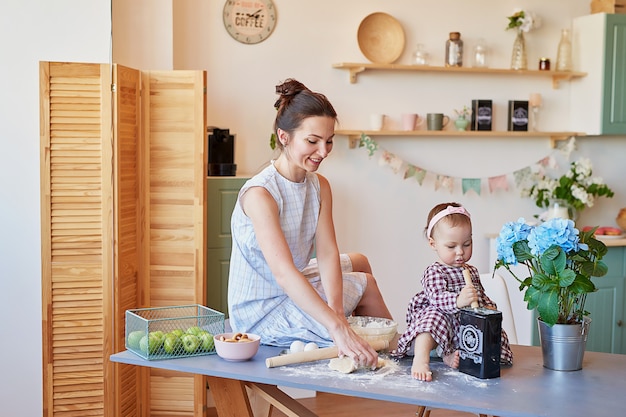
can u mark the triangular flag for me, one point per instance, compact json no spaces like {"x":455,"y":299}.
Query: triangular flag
{"x":471,"y":184}
{"x":521,"y":175}
{"x":498,"y":182}
{"x":444,"y":181}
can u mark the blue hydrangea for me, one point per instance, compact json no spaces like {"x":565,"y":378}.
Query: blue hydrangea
{"x":510,"y":233}
{"x":555,"y":231}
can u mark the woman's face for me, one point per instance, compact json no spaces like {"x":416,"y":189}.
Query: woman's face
{"x":310,"y":143}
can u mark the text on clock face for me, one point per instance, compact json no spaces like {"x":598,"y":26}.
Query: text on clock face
{"x":247,"y":20}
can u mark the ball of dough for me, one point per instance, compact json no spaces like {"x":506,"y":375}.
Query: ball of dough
{"x":310,"y":346}
{"x":296,"y":346}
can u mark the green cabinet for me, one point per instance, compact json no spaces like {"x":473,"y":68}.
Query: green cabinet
{"x":221,"y":198}
{"x":599,"y":100}
{"x":606,"y":307}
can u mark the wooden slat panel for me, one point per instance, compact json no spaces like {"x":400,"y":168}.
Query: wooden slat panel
{"x":175,"y":123}
{"x":130,"y":383}
{"x":76,"y":274}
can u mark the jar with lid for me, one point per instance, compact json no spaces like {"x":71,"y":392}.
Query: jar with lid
{"x":454,"y":50}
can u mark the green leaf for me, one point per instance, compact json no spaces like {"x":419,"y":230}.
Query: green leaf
{"x":582,"y":285}
{"x":543,"y":282}
{"x":553,"y":260}
{"x":566,"y":278}
{"x":548,"y":307}
{"x":531,"y":296}
{"x":521,"y":250}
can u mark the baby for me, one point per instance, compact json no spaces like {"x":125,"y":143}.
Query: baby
{"x":433,"y":314}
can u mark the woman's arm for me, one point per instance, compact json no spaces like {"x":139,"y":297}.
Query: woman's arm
{"x":327,"y":251}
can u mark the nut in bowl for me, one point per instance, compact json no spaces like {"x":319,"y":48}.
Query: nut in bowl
{"x":373,"y":328}
{"x":237,"y":346}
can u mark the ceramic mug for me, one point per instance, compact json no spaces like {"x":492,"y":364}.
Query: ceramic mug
{"x":410,"y":121}
{"x":377,"y":121}
{"x":436,"y":121}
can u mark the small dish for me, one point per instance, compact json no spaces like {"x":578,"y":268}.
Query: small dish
{"x":610,"y":237}
{"x":236,"y":351}
{"x":381,"y":38}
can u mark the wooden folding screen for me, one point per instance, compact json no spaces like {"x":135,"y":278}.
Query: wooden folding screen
{"x":123,"y":212}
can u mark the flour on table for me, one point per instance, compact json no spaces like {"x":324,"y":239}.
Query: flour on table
{"x":347,"y":365}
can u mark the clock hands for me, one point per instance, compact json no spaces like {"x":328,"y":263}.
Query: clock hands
{"x":255,"y":14}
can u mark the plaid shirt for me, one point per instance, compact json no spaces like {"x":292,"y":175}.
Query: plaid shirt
{"x":434,"y":310}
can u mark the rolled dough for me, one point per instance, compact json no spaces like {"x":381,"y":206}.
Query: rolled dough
{"x":348,"y":365}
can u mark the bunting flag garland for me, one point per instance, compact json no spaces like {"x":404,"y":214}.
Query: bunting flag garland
{"x":443,"y":181}
{"x":498,"y":183}
{"x":469,"y":184}
{"x":416,"y":172}
{"x":446,"y":182}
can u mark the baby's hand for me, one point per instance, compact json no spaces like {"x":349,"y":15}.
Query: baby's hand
{"x":467,"y":295}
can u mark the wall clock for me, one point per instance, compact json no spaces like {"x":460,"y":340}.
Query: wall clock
{"x":249,"y":21}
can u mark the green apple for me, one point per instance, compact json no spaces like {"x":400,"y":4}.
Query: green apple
{"x":190,"y":343}
{"x":134,"y":338}
{"x":206,"y":341}
{"x":171,"y":343}
{"x":194,"y":330}
{"x":151,"y":343}
{"x":178,"y":332}
{"x":158,"y":333}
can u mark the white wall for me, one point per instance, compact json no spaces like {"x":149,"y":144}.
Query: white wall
{"x":376,"y":211}
{"x":31,"y":31}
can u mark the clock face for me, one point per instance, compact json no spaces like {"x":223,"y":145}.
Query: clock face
{"x":249,"y":21}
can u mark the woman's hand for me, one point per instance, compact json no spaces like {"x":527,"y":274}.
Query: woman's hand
{"x":350,"y":344}
{"x":467,"y":296}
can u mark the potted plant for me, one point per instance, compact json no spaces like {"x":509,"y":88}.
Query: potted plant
{"x":569,"y":194}
{"x":462,"y":119}
{"x":560,"y":262}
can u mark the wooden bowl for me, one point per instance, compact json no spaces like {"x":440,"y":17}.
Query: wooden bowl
{"x":381,"y":38}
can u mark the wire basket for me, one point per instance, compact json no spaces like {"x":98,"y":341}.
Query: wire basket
{"x":172,"y":332}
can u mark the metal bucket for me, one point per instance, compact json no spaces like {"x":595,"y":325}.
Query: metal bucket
{"x":563,"y":345}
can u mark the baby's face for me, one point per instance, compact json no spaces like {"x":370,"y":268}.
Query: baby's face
{"x":453,"y":244}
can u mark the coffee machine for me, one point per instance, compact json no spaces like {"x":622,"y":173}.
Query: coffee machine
{"x":221,"y":152}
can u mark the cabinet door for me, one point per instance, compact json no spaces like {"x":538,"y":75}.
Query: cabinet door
{"x":221,"y":196}
{"x":614,"y":98}
{"x":605,"y":308}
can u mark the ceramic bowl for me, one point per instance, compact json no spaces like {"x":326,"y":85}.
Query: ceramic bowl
{"x":236,"y":351}
{"x":373,"y":328}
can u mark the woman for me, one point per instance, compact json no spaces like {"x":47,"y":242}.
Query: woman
{"x":282,"y":217}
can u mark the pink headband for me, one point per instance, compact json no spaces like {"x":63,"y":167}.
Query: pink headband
{"x":443,"y":213}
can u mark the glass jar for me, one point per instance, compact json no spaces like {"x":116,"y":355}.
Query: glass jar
{"x":480,"y":54}
{"x":454,"y":50}
{"x":420,"y":56}
{"x":564,"y":53}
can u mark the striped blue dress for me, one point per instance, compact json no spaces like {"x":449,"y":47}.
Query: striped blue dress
{"x":256,"y":303}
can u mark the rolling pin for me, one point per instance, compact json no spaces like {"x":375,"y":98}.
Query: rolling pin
{"x":316,"y":354}
{"x":468,"y":281}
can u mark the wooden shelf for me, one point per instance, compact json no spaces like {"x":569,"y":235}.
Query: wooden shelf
{"x":556,"y":76}
{"x":355,"y":135}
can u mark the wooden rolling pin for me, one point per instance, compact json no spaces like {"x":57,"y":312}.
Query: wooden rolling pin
{"x":316,"y":354}
{"x":468,"y":281}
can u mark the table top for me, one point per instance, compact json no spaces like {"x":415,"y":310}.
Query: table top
{"x":524,"y":389}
